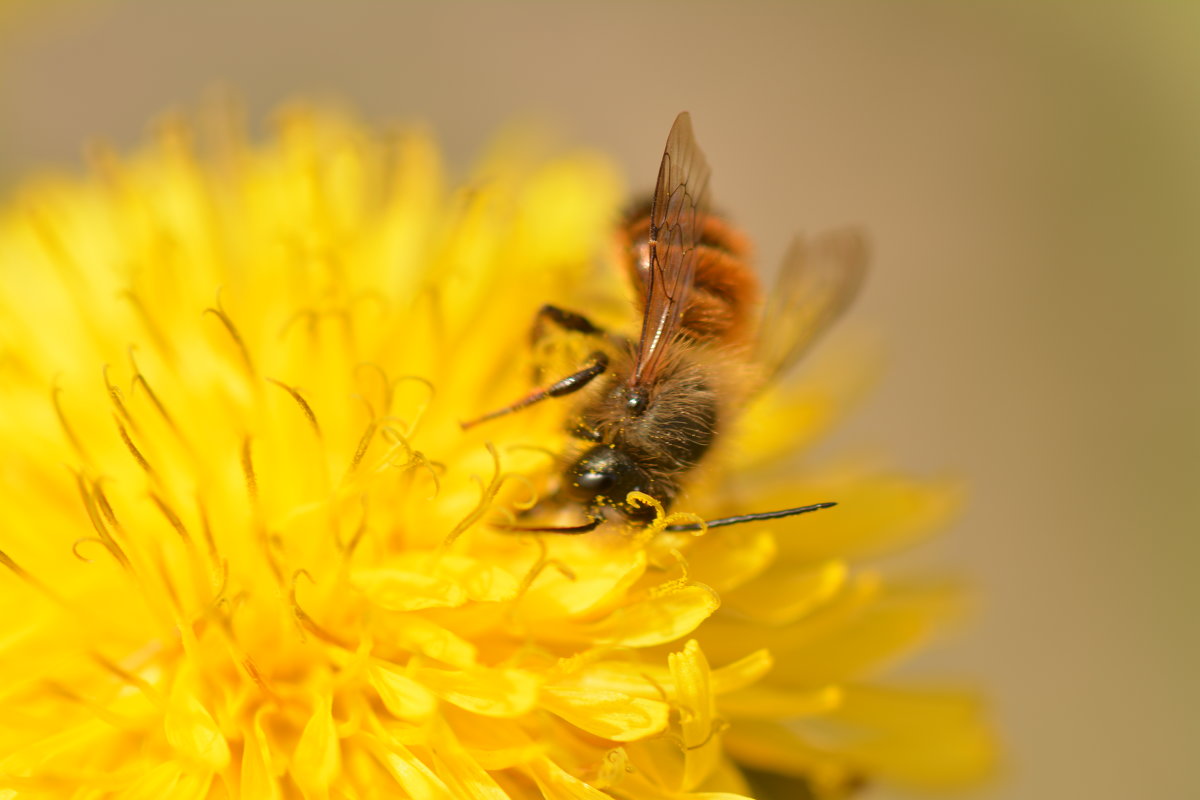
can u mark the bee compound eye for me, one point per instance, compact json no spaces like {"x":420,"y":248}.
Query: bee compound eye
{"x":595,"y":481}
{"x":636,"y":401}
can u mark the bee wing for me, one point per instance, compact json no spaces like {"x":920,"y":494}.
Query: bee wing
{"x":816,"y":283}
{"x":677,"y":213}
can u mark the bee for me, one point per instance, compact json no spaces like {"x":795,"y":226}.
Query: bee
{"x":654,"y":407}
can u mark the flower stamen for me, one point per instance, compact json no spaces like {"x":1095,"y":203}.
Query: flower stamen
{"x":232,"y":330}
{"x":152,"y":694}
{"x":76,"y":445}
{"x":300,"y":401}
{"x":248,"y":475}
{"x":171,"y":517}
{"x":94,"y":512}
{"x":718,"y":726}
{"x":487,"y":494}
{"x":360,"y":531}
{"x":364,"y":442}
{"x":86,"y":540}
{"x":206,"y":530}
{"x":543,"y":562}
{"x":114,"y":394}
{"x":306,"y":622}
{"x":137,"y":454}
{"x":140,"y":380}
{"x":307,"y":314}
{"x":151,"y":325}
{"x":419,"y":415}
{"x":103,"y":714}
{"x":388,"y":385}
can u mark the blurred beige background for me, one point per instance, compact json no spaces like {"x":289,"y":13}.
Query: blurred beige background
{"x":1031,"y":180}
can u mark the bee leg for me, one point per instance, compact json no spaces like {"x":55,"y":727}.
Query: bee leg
{"x":567,"y":320}
{"x":575,"y":322}
{"x":564,"y":320}
{"x":595,"y":520}
{"x":597,"y":364}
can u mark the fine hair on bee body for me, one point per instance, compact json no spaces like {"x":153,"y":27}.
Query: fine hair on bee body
{"x":651,"y":409}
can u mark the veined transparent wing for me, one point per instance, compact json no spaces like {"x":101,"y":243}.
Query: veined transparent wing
{"x":817,"y":282}
{"x":677,"y":213}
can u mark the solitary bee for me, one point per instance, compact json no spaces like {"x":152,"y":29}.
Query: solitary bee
{"x":657,"y":405}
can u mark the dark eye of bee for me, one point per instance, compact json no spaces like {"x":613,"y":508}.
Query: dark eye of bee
{"x":604,"y":471}
{"x":595,"y":481}
{"x":636,"y":401}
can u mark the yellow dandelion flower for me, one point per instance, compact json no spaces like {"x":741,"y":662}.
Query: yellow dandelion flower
{"x":247,"y":543}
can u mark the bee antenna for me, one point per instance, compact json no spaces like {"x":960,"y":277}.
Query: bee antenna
{"x":723,"y":521}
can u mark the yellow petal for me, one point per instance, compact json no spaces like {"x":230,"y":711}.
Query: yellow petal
{"x":557,"y":784}
{"x":694,"y":699}
{"x":928,"y":737}
{"x":482,"y":581}
{"x":897,"y":618}
{"x":727,"y":778}
{"x":766,"y":702}
{"x":401,"y":695}
{"x":491,"y":692}
{"x":192,"y":731}
{"x":413,"y":581}
{"x":876,"y":514}
{"x":640,"y":786}
{"x":258,"y":777}
{"x":492,"y":742}
{"x":463,"y":775}
{"x":861,"y":628}
{"x":776,"y":747}
{"x":317,"y":760}
{"x":417,"y":780}
{"x":743,"y":672}
{"x":636,"y":677}
{"x":595,"y":585}
{"x":614,"y":769}
{"x":419,"y":635}
{"x":651,"y":680}
{"x":611,"y":715}
{"x":658,"y":619}
{"x":785,"y":594}
{"x":730,"y":560}
{"x":805,"y":409}
{"x":169,"y":780}
{"x":400,"y":590}
{"x":569,"y":203}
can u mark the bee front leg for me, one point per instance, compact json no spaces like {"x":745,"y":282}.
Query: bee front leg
{"x":567,"y":320}
{"x":564,"y":320}
{"x":595,"y":518}
{"x":597,"y":364}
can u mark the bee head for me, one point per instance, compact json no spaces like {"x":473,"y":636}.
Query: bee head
{"x":604,"y":475}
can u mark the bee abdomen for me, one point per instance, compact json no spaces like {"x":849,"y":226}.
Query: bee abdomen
{"x":725,"y":288}
{"x":725,"y":291}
